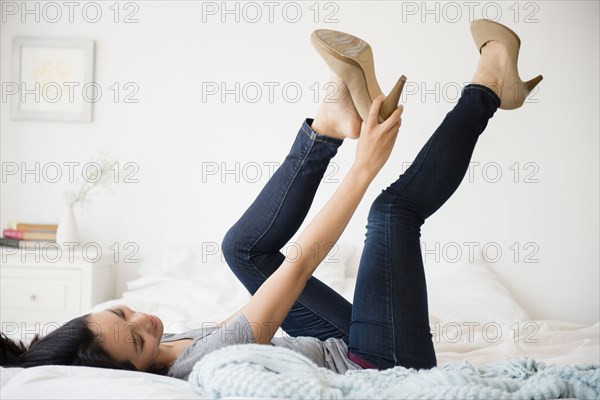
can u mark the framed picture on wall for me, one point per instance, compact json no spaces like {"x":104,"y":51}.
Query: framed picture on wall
{"x":53,"y":79}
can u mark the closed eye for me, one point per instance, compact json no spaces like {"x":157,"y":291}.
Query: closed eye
{"x":142,"y":342}
{"x":138,"y":341}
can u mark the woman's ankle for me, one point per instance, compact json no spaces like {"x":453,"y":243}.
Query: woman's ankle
{"x":326,"y":127}
{"x":337,"y":116}
{"x":492,"y":65}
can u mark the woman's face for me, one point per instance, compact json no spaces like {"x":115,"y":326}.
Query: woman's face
{"x":128,"y":335}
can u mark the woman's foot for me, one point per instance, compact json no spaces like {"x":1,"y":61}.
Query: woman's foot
{"x":337,"y":117}
{"x":492,"y":66}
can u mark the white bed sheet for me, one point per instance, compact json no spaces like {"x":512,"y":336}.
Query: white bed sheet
{"x":559,"y":342}
{"x":493,"y":328}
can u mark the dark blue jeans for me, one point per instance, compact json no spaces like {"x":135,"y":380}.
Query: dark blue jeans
{"x":388,"y":322}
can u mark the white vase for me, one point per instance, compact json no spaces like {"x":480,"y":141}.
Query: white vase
{"x":67,"y":228}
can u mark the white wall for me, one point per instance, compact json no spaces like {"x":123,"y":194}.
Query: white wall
{"x":172,"y":134}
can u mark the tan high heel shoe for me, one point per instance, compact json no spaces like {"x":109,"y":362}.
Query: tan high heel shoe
{"x":351,"y":58}
{"x":514,"y":90}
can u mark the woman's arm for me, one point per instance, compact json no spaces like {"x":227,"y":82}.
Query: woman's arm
{"x":273,"y":300}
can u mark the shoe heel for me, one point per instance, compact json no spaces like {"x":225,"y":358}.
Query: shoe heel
{"x":390,"y":103}
{"x":529,"y":85}
{"x":514,"y":91}
{"x":351,"y":58}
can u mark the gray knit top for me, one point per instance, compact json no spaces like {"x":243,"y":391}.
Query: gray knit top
{"x":331,"y":353}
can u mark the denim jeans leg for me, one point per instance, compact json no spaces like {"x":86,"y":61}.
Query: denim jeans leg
{"x":252,"y":245}
{"x":390,"y":316}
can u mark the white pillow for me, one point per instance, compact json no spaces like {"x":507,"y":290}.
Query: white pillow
{"x":465,"y":292}
{"x":470,"y":292}
{"x":190,"y":264}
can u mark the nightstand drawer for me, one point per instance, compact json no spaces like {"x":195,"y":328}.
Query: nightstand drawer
{"x":41,"y":295}
{"x":39,"y":291}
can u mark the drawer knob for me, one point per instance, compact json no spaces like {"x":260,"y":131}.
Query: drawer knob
{"x":33,"y":297}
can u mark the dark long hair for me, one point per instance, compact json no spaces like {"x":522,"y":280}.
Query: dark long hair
{"x":74,"y":343}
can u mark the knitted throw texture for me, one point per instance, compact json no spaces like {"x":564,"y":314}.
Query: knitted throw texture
{"x":252,"y":370}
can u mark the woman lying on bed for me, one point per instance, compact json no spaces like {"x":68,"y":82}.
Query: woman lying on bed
{"x":388,"y":323}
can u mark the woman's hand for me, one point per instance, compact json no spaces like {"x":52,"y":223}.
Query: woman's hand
{"x":377,"y":140}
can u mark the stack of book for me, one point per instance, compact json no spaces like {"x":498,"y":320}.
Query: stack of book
{"x":29,"y":236}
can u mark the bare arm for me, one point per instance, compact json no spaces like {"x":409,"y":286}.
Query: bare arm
{"x":273,"y":300}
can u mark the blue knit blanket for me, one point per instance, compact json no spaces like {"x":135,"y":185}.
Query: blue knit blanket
{"x":252,"y":370}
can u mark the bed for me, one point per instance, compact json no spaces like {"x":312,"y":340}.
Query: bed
{"x":472,"y":315}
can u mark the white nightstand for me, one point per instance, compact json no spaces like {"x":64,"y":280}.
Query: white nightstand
{"x":47,"y":287}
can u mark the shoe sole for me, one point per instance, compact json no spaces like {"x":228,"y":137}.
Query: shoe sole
{"x":351,"y":58}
